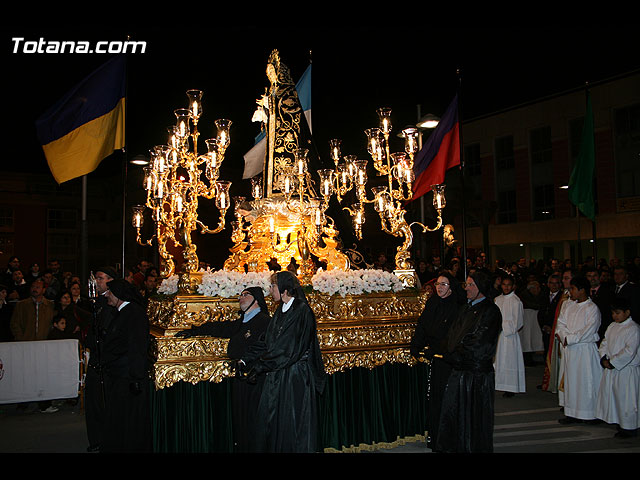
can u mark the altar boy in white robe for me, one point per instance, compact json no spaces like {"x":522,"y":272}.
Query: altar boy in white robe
{"x":509,"y":361}
{"x":619,"y":394}
{"x":577,"y":333}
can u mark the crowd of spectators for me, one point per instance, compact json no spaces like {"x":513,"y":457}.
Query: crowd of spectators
{"x":63,"y":309}
{"x":532,"y":278}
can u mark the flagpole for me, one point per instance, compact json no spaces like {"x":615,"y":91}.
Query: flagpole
{"x":464,"y":202}
{"x":84,"y":236}
{"x":125,"y":168}
{"x":593,"y":222}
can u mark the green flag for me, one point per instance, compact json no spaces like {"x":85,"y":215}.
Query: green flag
{"x":581,"y":181}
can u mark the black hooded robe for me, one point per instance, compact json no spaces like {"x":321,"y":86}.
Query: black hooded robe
{"x":466,"y":422}
{"x":125,"y":361}
{"x":245,"y":395}
{"x":431,"y":331}
{"x":289,"y":359}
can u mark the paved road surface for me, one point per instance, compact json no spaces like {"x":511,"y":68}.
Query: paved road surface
{"x":525,"y":423}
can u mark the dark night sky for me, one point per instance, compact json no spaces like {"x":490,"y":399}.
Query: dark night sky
{"x":354,"y":73}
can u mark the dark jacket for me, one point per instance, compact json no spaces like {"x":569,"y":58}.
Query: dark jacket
{"x":466,"y":423}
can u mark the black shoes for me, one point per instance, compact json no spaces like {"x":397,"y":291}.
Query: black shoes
{"x":572,"y":420}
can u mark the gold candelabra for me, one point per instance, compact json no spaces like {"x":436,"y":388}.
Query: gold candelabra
{"x":174,"y":180}
{"x":388,"y":200}
{"x":286,"y":219}
{"x":290,"y":226}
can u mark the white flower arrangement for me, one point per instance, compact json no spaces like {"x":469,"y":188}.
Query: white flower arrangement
{"x":169,"y":285}
{"x":355,"y":282}
{"x":230,"y":284}
{"x":331,"y":282}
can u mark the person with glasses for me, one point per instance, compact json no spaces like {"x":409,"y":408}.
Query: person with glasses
{"x":242,"y":333}
{"x":466,"y":421}
{"x":428,"y":341}
{"x":290,"y":361}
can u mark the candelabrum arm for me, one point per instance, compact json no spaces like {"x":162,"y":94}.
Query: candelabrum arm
{"x":425,"y":228}
{"x":218,"y":229}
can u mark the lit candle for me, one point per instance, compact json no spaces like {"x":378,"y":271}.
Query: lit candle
{"x":272,"y":225}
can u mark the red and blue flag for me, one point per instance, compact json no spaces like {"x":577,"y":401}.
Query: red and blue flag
{"x":440,"y":153}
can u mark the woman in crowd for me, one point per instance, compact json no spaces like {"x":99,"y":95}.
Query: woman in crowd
{"x":428,"y":341}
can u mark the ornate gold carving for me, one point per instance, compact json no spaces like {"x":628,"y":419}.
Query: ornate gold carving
{"x":353,"y":331}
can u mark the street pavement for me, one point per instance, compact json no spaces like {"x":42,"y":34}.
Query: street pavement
{"x":525,"y":423}
{"x":528,"y":423}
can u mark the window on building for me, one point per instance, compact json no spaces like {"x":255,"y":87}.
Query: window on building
{"x":504,"y":152}
{"x":627,"y":150}
{"x":472,"y":170}
{"x":507,"y":206}
{"x":543,"y":202}
{"x":63,"y":239}
{"x":540,"y":140}
{"x":62,"y":219}
{"x":542,"y":192}
{"x":472,"y":160}
{"x":6,"y":217}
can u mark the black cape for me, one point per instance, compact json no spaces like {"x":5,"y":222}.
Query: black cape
{"x":291,"y":362}
{"x":245,"y":395}
{"x":466,"y":422}
{"x":431,"y":332}
{"x":125,"y":362}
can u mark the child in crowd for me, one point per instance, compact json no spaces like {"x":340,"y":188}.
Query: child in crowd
{"x":57,"y":330}
{"x":619,"y":394}
{"x":509,"y":362}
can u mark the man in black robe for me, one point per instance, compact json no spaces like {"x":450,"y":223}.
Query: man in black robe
{"x":466,"y":422}
{"x":242,"y":333}
{"x":429,"y":341}
{"x":125,"y":360}
{"x":291,"y":361}
{"x":94,"y":390}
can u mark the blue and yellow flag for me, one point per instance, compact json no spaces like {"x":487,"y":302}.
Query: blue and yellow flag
{"x":87,"y":124}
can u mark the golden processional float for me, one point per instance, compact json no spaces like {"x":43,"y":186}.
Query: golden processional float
{"x":365,"y":317}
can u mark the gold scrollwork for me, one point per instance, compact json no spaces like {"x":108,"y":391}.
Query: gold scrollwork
{"x":353,"y":331}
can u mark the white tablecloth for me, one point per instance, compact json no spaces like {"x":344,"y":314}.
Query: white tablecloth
{"x":42,"y":370}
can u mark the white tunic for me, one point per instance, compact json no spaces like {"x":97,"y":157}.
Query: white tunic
{"x":560,"y":355}
{"x":509,"y":363}
{"x":578,"y":324}
{"x":619,"y":394}
{"x":531,"y":335}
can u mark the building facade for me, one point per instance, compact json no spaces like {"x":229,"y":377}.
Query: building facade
{"x":517,"y":167}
